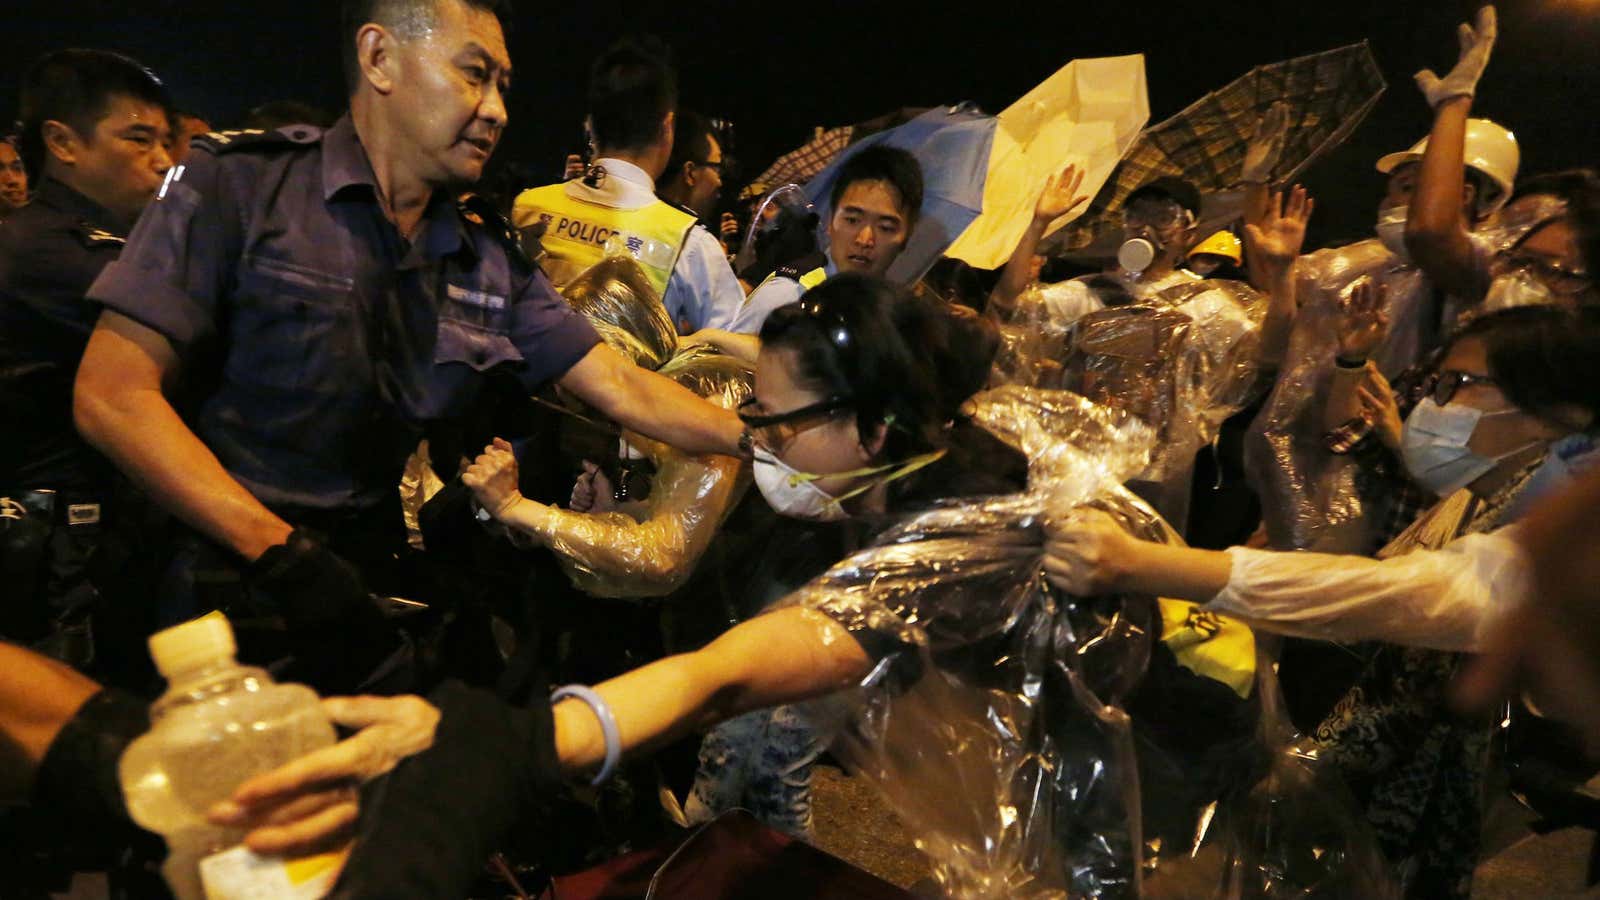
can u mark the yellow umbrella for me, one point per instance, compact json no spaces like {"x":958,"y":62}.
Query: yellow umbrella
{"x":1089,"y":112}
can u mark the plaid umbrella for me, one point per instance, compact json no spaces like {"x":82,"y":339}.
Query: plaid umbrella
{"x":1328,"y":95}
{"x":801,"y":164}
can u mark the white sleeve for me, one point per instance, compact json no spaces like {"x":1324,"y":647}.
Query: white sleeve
{"x":703,"y":292}
{"x":768,"y":296}
{"x":1443,"y":599}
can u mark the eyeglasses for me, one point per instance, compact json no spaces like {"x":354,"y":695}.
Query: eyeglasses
{"x":776,"y":431}
{"x":1556,"y":277}
{"x":1442,"y":385}
{"x":1156,"y":213}
{"x":711,"y":165}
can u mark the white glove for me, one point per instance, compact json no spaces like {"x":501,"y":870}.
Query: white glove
{"x":1266,"y":145}
{"x":1476,"y":45}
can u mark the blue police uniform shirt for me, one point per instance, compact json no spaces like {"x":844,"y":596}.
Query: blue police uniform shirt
{"x":322,"y":340}
{"x":703,"y":292}
{"x":50,"y":252}
{"x":776,"y":291}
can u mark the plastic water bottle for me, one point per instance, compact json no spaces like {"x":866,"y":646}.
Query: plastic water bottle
{"x":219,"y":724}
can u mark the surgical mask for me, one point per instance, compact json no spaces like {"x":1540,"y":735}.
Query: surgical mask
{"x":1519,"y":288}
{"x":1392,"y":230}
{"x":795,"y":494}
{"x":1433,"y":444}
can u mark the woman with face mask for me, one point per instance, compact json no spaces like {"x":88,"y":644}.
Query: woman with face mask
{"x":854,"y":418}
{"x":1510,"y":386}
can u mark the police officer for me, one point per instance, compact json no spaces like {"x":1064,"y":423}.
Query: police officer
{"x":95,"y":132}
{"x":13,"y":179}
{"x":875,"y":203}
{"x":693,"y":178}
{"x":633,"y":98}
{"x":326,"y":296}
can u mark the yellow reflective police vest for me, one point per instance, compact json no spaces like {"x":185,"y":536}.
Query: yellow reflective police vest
{"x":576,"y":233}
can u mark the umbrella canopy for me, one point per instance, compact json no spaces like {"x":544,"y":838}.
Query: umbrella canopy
{"x":1328,"y":95}
{"x":1088,"y":113}
{"x":952,"y":144}
{"x":803,"y":163}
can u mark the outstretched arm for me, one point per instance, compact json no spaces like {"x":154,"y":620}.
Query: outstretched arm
{"x":652,"y":405}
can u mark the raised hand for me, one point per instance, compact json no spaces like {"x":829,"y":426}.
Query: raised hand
{"x":1379,"y":409}
{"x":1060,"y":195}
{"x":1363,"y":321}
{"x":1477,"y":44}
{"x":1281,"y":233}
{"x":1265,"y":149}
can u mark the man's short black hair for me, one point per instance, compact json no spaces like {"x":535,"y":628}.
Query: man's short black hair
{"x":632,"y":87}
{"x":898,"y":168}
{"x":76,"y":87}
{"x":407,"y":18}
{"x":691,"y":140}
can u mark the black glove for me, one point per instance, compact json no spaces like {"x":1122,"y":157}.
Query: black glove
{"x":338,"y":634}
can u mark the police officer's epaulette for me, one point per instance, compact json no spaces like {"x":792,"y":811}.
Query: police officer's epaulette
{"x":94,"y":237}
{"x":220,"y":142}
{"x":479,"y":211}
{"x":795,"y":268}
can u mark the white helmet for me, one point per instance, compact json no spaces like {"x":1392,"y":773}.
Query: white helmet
{"x":1491,"y":151}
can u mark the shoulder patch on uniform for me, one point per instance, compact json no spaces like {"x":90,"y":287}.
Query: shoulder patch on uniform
{"x":93,"y":237}
{"x":804,"y":265}
{"x":479,"y":212}
{"x":219,"y":142}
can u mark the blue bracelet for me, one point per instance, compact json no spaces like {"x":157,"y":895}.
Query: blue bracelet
{"x":608,"y":725}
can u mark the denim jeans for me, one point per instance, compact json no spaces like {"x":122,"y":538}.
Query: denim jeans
{"x":760,"y":762}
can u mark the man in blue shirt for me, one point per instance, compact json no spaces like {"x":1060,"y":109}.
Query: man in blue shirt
{"x":875,"y":203}
{"x":324,"y":295}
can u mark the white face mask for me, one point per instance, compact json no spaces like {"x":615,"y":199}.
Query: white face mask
{"x":795,"y":494}
{"x":1392,"y":230}
{"x":790,"y":493}
{"x":1519,"y":288}
{"x":1433,"y":444}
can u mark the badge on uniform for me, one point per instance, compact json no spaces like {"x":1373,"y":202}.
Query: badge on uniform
{"x":83,"y":514}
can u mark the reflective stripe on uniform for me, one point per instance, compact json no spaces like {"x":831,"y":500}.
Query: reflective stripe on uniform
{"x":577,"y":232}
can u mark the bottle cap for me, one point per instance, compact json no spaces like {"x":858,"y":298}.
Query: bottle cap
{"x":192,"y":644}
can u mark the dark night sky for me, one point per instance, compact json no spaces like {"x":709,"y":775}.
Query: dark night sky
{"x":777,"y":71}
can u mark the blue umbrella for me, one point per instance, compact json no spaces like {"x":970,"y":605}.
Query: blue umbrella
{"x":952,"y":144}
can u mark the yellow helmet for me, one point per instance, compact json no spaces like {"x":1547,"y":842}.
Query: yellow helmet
{"x":1223,"y":243}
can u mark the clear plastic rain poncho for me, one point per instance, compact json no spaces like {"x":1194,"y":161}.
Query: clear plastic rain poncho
{"x":1311,"y":498}
{"x":1183,"y":357}
{"x":993,"y":725}
{"x":652,"y":549}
